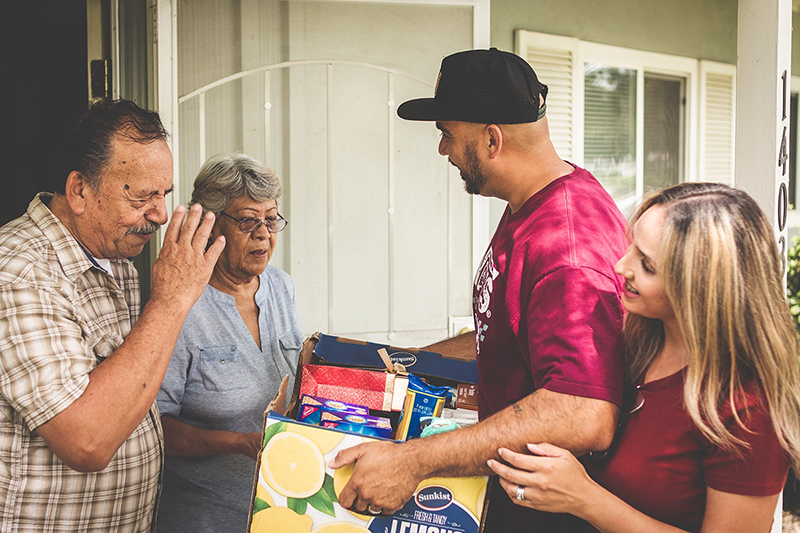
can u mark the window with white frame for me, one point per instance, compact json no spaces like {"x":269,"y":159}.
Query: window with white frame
{"x":637,"y":120}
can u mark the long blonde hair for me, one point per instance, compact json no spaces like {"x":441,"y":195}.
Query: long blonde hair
{"x":722,"y":275}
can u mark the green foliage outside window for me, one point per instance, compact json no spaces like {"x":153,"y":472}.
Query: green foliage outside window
{"x":791,"y":493}
{"x":793,"y":281}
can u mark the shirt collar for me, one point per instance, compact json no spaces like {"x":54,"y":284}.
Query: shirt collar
{"x":75,"y":260}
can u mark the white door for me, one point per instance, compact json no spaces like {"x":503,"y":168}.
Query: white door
{"x":380,"y":234}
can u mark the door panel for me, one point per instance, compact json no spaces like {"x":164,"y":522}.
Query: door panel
{"x":379,"y":235}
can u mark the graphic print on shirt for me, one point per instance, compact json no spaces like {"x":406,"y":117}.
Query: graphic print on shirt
{"x":484,"y":283}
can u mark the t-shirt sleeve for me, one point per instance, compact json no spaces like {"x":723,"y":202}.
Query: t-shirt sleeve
{"x":44,"y":359}
{"x":759,"y":470}
{"x":574,"y":334}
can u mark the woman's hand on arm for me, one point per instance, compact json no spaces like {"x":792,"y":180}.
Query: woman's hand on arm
{"x":185,"y":440}
{"x":555,"y":481}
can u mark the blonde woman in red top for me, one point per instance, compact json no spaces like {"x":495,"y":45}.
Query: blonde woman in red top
{"x":713,"y":420}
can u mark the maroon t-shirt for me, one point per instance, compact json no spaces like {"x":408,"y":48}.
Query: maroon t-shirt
{"x":547,"y":310}
{"x":661,"y":464}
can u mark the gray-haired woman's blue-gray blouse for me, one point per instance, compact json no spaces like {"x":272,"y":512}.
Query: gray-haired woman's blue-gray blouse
{"x":219,"y":379}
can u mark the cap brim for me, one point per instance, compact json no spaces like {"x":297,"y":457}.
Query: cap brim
{"x":420,"y":109}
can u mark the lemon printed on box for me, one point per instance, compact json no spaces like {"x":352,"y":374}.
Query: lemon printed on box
{"x":340,"y":478}
{"x":263,"y":499}
{"x":293,"y":465}
{"x":340,"y":527}
{"x":280,"y":519}
{"x":325,"y":440}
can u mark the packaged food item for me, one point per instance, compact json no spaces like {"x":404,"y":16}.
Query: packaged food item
{"x":432,"y":425}
{"x":373,"y":426}
{"x":311,"y":408}
{"x":462,"y":417}
{"x":467,"y":396}
{"x":371,"y":388}
{"x":422,"y":399}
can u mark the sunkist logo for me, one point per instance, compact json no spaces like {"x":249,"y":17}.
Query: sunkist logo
{"x":404,"y":358}
{"x":434,"y":498}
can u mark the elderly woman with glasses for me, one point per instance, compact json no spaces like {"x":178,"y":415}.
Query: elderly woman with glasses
{"x":712,"y":357}
{"x":241,"y":338}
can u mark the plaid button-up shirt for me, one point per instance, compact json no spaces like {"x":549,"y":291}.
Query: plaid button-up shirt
{"x":60,"y":316}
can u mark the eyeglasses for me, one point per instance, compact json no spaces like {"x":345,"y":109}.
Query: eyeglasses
{"x":250,"y":224}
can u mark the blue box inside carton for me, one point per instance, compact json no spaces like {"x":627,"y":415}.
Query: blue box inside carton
{"x":347,"y":352}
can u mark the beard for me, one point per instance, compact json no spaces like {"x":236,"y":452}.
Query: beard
{"x":472,"y":174}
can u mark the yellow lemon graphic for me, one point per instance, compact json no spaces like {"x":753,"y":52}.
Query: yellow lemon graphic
{"x":280,"y":519}
{"x":469,"y":491}
{"x":263,"y":494}
{"x":325,"y":440}
{"x":293,"y":465}
{"x":340,"y":527}
{"x":481,"y":502}
{"x":340,"y":478}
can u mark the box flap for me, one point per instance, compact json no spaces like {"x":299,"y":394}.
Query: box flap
{"x":347,"y":352}
{"x":278,"y":402}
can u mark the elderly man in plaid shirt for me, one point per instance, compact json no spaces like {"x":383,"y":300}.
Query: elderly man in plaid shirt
{"x":81,"y":447}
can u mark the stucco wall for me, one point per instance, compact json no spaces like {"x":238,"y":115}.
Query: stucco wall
{"x":796,"y":44}
{"x":704,"y":29}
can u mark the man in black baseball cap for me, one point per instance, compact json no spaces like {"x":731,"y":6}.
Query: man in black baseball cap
{"x":482,"y":86}
{"x":546,"y":300}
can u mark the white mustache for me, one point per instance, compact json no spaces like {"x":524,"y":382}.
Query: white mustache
{"x":147,"y":229}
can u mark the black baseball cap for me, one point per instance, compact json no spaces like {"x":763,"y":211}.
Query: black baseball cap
{"x":483,"y":86}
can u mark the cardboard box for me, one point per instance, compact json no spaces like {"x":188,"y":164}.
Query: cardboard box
{"x":294,"y":490}
{"x":432,"y":366}
{"x":437,"y":369}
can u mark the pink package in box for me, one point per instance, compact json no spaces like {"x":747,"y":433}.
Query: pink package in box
{"x":363,"y":387}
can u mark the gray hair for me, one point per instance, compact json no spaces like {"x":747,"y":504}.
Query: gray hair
{"x":225,"y":177}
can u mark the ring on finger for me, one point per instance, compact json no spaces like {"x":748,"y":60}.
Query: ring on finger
{"x":372,"y":511}
{"x":520,"y":493}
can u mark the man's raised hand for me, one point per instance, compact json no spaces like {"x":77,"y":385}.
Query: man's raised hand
{"x":185,"y":263}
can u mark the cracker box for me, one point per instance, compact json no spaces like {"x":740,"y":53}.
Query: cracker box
{"x":295,"y":491}
{"x":311,"y":408}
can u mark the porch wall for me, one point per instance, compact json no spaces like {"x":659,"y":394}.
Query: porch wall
{"x":704,"y":29}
